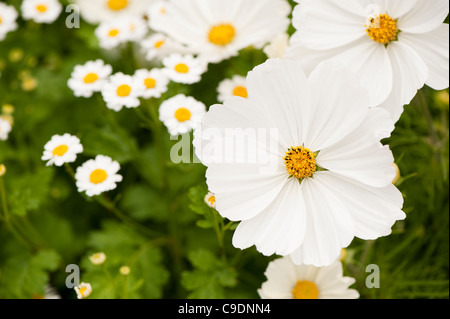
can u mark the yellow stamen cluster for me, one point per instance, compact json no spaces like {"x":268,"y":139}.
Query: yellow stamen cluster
{"x":183,"y":114}
{"x":182,"y":68}
{"x":305,"y":290}
{"x":240,"y":91}
{"x":221,"y":34}
{"x":123,"y":90}
{"x":60,"y":150}
{"x":117,"y":5}
{"x":98,"y":176}
{"x":90,"y":78}
{"x":382,"y":29}
{"x":300,"y":162}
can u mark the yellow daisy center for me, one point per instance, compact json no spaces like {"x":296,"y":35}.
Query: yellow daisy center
{"x":382,"y":29}
{"x":212,"y":200}
{"x":60,"y":150}
{"x":83,"y":291}
{"x":240,"y":91}
{"x":150,"y":83}
{"x":41,"y":8}
{"x":90,"y":78}
{"x":0,"y":20}
{"x":98,"y":176}
{"x":181,"y":68}
{"x":300,"y":162}
{"x":113,"y":33}
{"x":123,"y":90}
{"x":117,"y":5}
{"x":305,"y":290}
{"x":159,"y":44}
{"x":183,"y":114}
{"x":221,"y":34}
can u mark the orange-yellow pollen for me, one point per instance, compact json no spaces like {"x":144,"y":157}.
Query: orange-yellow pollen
{"x":41,"y":8}
{"x":181,"y":68}
{"x":90,"y":78}
{"x":300,"y":162}
{"x":113,"y":33}
{"x":150,"y":83}
{"x":183,"y":114}
{"x":240,"y":91}
{"x":158,"y":44}
{"x":60,"y":150}
{"x":123,"y":90}
{"x":117,"y":5}
{"x":382,"y":29}
{"x":98,"y":176}
{"x":221,"y":34}
{"x":305,"y":290}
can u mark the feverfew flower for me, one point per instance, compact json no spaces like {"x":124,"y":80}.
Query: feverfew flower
{"x":155,"y":82}
{"x":184,"y":68}
{"x":218,"y":29}
{"x":83,"y":290}
{"x":41,"y":11}
{"x":236,"y":86}
{"x":180,"y":114}
{"x":137,"y":29}
{"x":107,"y":10}
{"x":113,"y":33}
{"x":62,"y":149}
{"x":97,"y":258}
{"x":395,"y":46}
{"x":277,"y":47}
{"x":89,"y":78}
{"x":210,"y":200}
{"x":5,"y":128}
{"x":98,"y":175}
{"x":317,"y":178}
{"x":122,"y":90}
{"x":8,"y":17}
{"x":286,"y":280}
{"x":158,"y":46}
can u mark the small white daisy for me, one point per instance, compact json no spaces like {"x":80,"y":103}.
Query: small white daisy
{"x":97,"y":258}
{"x":122,"y":90}
{"x":286,"y":280}
{"x":62,"y":149}
{"x":89,"y":78}
{"x":83,"y":290}
{"x":137,"y":28}
{"x":41,"y":11}
{"x":95,"y":11}
{"x":98,"y":175}
{"x":8,"y":17}
{"x":158,"y":46}
{"x":236,"y":86}
{"x":180,"y":114}
{"x":113,"y":33}
{"x":155,"y":82}
{"x":277,"y":47}
{"x":156,"y":13}
{"x":210,"y":200}
{"x":184,"y":68}
{"x":5,"y":128}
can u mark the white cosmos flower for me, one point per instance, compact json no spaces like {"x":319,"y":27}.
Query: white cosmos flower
{"x":180,"y":114}
{"x":218,"y":29}
{"x":158,"y":46}
{"x":62,"y":149}
{"x":286,"y":280}
{"x":396,"y":46}
{"x":113,"y":33}
{"x":236,"y":86}
{"x":122,"y":90}
{"x":89,"y":78}
{"x":8,"y":17}
{"x":98,"y":175}
{"x":155,"y":82}
{"x":184,"y":68}
{"x":41,"y":11}
{"x":5,"y":128}
{"x":303,"y":167}
{"x":83,"y":290}
{"x":95,"y":11}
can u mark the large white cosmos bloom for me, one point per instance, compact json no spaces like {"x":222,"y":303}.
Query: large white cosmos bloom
{"x":396,"y":46}
{"x":328,"y":177}
{"x":218,"y":29}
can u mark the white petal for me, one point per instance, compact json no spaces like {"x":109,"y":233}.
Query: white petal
{"x":279,"y":228}
{"x":424,"y":17}
{"x":398,"y":8}
{"x":360,"y":155}
{"x":281,"y":276}
{"x":409,"y":74}
{"x":433,"y":48}
{"x":373,"y":210}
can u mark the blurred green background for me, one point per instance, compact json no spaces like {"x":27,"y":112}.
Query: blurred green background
{"x":181,"y":248}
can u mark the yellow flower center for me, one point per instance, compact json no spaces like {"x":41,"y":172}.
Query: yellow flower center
{"x":305,"y":290}
{"x":150,"y":83}
{"x":90,"y":78}
{"x":212,"y":200}
{"x":60,"y":150}
{"x":300,"y":162}
{"x":117,"y":5}
{"x":113,"y":33}
{"x":41,"y":8}
{"x":183,"y":114}
{"x":382,"y":29}
{"x":240,"y":91}
{"x":0,"y":20}
{"x":83,"y":291}
{"x":123,"y":90}
{"x":159,"y":44}
{"x":98,"y":176}
{"x":221,"y":34}
{"x":181,"y":68}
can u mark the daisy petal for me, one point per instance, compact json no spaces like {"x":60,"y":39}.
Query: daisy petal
{"x":426,"y":16}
